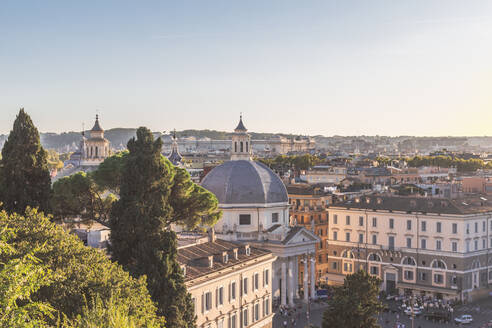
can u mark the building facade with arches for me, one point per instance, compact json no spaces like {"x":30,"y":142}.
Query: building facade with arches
{"x":433,"y":247}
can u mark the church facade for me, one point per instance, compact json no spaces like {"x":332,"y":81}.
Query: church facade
{"x":255,"y":209}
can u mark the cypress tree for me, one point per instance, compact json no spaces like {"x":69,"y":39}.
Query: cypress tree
{"x":24,"y":174}
{"x":154,"y":194}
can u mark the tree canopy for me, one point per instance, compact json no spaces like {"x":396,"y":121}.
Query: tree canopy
{"x":24,"y":174}
{"x":153,"y":195}
{"x":355,"y":304}
{"x":46,"y":273}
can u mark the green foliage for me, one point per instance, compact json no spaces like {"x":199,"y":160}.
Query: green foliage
{"x":53,"y":159}
{"x":107,"y":314}
{"x":19,"y":279}
{"x":24,"y":173}
{"x":73,"y":272}
{"x":154,"y":194}
{"x":463,"y":165}
{"x":283,"y":162}
{"x":109,"y":173}
{"x":355,"y":304}
{"x":79,"y":196}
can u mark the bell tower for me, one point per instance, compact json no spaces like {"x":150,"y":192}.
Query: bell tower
{"x":241,"y":142}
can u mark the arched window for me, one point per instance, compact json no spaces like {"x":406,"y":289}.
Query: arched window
{"x":241,"y":146}
{"x":374,"y":257}
{"x":247,"y":146}
{"x":408,"y":261}
{"x":92,"y":151}
{"x":235,"y":146}
{"x":97,"y":148}
{"x":476,"y":264}
{"x":347,"y":254}
{"x":438,"y":264}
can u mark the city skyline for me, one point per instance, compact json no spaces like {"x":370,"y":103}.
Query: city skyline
{"x":329,"y":68}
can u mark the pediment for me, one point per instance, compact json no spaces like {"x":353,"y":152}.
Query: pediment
{"x":300,"y":235}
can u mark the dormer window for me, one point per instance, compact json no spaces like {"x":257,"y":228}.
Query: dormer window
{"x":225,"y":257}
{"x":234,"y":251}
{"x":210,"y":261}
{"x":247,"y":250}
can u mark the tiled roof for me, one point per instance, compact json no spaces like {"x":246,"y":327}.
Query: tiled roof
{"x":196,"y":257}
{"x":292,"y":232}
{"x":419,"y":204}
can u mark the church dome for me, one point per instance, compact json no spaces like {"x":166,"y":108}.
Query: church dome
{"x":245,"y":182}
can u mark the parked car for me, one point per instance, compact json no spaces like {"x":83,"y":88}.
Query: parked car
{"x":464,"y":319}
{"x":416,"y":311}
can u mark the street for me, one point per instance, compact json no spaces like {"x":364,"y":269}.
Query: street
{"x":388,"y":320}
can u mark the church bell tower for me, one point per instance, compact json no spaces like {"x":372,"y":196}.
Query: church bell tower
{"x":241,"y":143}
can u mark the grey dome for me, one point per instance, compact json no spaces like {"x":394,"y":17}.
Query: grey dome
{"x":245,"y":182}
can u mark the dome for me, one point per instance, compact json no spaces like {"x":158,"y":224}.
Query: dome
{"x":245,"y":182}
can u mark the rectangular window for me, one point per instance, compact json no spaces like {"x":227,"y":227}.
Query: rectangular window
{"x":476,"y":245}
{"x":438,"y":226}
{"x":208,"y":301}
{"x":245,"y":285}
{"x":483,"y":226}
{"x":391,"y":242}
{"x":266,"y":277}
{"x":361,"y":238}
{"x":408,"y":275}
{"x":467,"y":228}
{"x":220,"y":296}
{"x":391,"y":223}
{"x":409,"y":242}
{"x":467,"y":245}
{"x":256,"y":278}
{"x":274,"y":217}
{"x":438,"y":278}
{"x":245,"y":317}
{"x":483,"y":244}
{"x":347,"y":236}
{"x":361,"y":221}
{"x":335,"y":219}
{"x":233,"y":320}
{"x":220,"y":323}
{"x":409,"y":224}
{"x":335,"y":235}
{"x":374,"y":239}
{"x":423,"y":226}
{"x":334,"y":265}
{"x":233,"y":291}
{"x":476,"y":227}
{"x":256,"y":316}
{"x":438,"y":245}
{"x":347,"y":267}
{"x":244,"y":219}
{"x":454,"y":246}
{"x":423,"y":276}
{"x":374,"y":222}
{"x":455,"y":228}
{"x":266,"y":307}
{"x":423,"y":243}
{"x":374,"y":270}
{"x":347,"y":220}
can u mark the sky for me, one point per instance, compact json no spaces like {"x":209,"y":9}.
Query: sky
{"x":305,"y":67}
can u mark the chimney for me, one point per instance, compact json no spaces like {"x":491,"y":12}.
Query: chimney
{"x":225,"y":257}
{"x":211,"y":235}
{"x":211,"y":261}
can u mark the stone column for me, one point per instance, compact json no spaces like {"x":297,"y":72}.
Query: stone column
{"x":291,"y":281}
{"x":305,"y":278}
{"x":313,"y":277}
{"x":296,"y":277}
{"x":283,"y":287}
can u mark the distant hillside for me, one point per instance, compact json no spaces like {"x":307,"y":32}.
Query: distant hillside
{"x":222,"y":135}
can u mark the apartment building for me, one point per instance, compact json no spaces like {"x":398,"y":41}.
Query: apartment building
{"x":427,"y":246}
{"x":309,"y":209}
{"x":230,"y":284}
{"x":324,"y":174}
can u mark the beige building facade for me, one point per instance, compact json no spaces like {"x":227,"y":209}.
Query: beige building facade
{"x":230,"y":284}
{"x":429,"y":246}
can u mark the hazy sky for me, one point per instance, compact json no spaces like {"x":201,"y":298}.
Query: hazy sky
{"x":311,"y":67}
